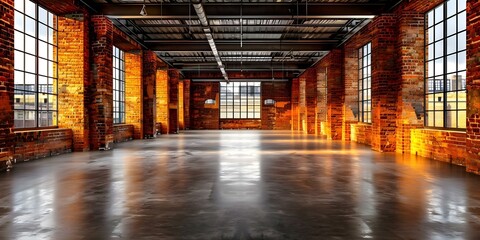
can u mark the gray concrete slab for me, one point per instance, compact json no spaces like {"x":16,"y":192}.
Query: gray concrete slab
{"x":238,"y":185}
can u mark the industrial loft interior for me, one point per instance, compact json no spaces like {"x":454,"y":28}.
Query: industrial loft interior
{"x":239,"y":119}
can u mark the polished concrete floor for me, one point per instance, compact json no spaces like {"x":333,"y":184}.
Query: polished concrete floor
{"x":238,"y":185}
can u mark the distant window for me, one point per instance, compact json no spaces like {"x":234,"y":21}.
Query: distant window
{"x":210,"y":101}
{"x":445,"y":57}
{"x":118,"y":86}
{"x":240,"y":100}
{"x":365,"y":83}
{"x":269,"y":102}
{"x":35,"y":64}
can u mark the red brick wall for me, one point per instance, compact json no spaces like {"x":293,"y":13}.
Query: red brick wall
{"x":321,"y":99}
{"x":311,"y":100}
{"x":181,"y":107}
{"x":101,"y":87}
{"x":295,"y":104}
{"x":204,"y":116}
{"x":446,"y":146}
{"x":186,"y":102}
{"x":174,"y":79}
{"x":73,"y":78}
{"x":133,"y":92}
{"x":123,"y":132}
{"x":162,"y":100}
{"x":36,"y":144}
{"x":278,"y":116}
{"x":6,"y":80}
{"x":240,"y":124}
{"x":149,"y":89}
{"x":473,"y":86}
{"x":361,"y":133}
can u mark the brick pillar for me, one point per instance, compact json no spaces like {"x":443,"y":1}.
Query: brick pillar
{"x":186,"y":102}
{"x":410,"y":46}
{"x":384,"y":83}
{"x":473,"y":86}
{"x":335,"y":94}
{"x":73,"y":78}
{"x":295,"y":100}
{"x":101,"y":87}
{"x":302,"y":105}
{"x":6,"y":81}
{"x":350,"y":108}
{"x":268,"y":111}
{"x":174,"y":77}
{"x":321,"y":100}
{"x":149,"y":81}
{"x":134,"y":92}
{"x":162,"y":100}
{"x":311,"y":100}
{"x":181,"y":107}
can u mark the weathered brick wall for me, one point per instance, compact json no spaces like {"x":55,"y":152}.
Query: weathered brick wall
{"x":473,"y":86}
{"x":302,"y":105}
{"x":204,"y":116}
{"x":361,"y":133}
{"x":186,"y":102}
{"x":123,"y":132}
{"x":240,"y":124}
{"x":149,"y":89}
{"x":321,"y":99}
{"x":181,"y":107}
{"x":36,"y":144}
{"x":174,"y":79}
{"x":6,"y":80}
{"x":74,"y":77}
{"x":133,"y":92}
{"x":278,"y":116}
{"x":447,"y":146}
{"x":311,"y":100}
{"x":295,"y":104}
{"x":101,"y":87}
{"x":162,"y":100}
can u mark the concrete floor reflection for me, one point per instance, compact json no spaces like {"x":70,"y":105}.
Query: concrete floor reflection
{"x":238,"y":185}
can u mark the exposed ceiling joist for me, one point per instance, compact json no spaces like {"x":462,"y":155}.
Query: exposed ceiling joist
{"x":189,"y":46}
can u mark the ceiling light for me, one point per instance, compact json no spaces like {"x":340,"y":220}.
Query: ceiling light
{"x":143,"y":12}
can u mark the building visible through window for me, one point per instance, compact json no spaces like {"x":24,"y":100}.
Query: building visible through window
{"x":365,"y":83}
{"x":445,"y":57}
{"x":118,"y":86}
{"x":240,"y":100}
{"x":35,"y":64}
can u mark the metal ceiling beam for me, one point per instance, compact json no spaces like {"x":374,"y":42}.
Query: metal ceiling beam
{"x":249,"y":10}
{"x":265,"y":46}
{"x":213,"y":26}
{"x":278,"y":66}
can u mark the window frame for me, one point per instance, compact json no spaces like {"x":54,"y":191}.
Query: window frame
{"x":45,"y":79}
{"x":365,"y":51}
{"x":446,"y":85}
{"x":249,"y":97}
{"x":118,"y":76}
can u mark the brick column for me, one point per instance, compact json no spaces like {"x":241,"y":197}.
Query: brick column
{"x":311,"y":100}
{"x":101,"y":87}
{"x":473,"y":86}
{"x":268,"y":111}
{"x":181,"y":107}
{"x":6,"y":81}
{"x":350,"y":109}
{"x":302,"y":104}
{"x":321,"y":99}
{"x":73,"y":78}
{"x":174,"y":77}
{"x":149,"y":81}
{"x":410,"y":46}
{"x":162,"y":100}
{"x":295,"y":100}
{"x":134,"y":92}
{"x":186,"y":102}
{"x":336,"y":93}
{"x":384,"y":83}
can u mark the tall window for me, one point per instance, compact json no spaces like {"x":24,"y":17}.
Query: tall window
{"x":118,"y":86}
{"x":445,"y":56}
{"x":239,"y":100}
{"x":35,"y":64}
{"x":365,"y":83}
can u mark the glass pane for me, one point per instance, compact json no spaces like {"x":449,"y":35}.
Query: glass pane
{"x":30,"y":45}
{"x":462,"y":61}
{"x":430,"y":52}
{"x":451,"y":26}
{"x":439,"y":49}
{"x":452,"y":44}
{"x":42,"y":15}
{"x":42,"y":67}
{"x":439,"y":67}
{"x":438,"y":32}
{"x":462,"y":21}
{"x":462,"y":5}
{"x":30,"y":27}
{"x":42,"y":50}
{"x":19,"y":61}
{"x":430,"y":69}
{"x":30,"y":8}
{"x":18,"y":79}
{"x":430,"y":19}
{"x":439,"y":119}
{"x":452,"y":63}
{"x":19,"y":118}
{"x":42,"y":32}
{"x":462,"y":119}
{"x":430,"y":35}
{"x":30,"y":102}
{"x":462,"y":41}
{"x":430,"y":119}
{"x":30,"y":63}
{"x":451,"y":7}
{"x":451,"y":117}
{"x":19,"y":5}
{"x":439,"y":14}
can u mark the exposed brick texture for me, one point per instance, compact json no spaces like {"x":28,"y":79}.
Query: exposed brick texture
{"x":311,"y":100}
{"x":361,"y":133}
{"x":473,"y":86}
{"x":133,"y":92}
{"x":149,"y":89}
{"x":181,"y":107}
{"x":101,"y":87}
{"x":295,"y":96}
{"x":123,"y":132}
{"x":162,"y":100}
{"x":42,"y":143}
{"x":74,"y":78}
{"x":186,"y":102}
{"x":203,"y":116}
{"x":278,"y":116}
{"x":240,"y":124}
{"x":321,"y":99}
{"x":6,"y":80}
{"x":447,"y":146}
{"x":174,"y":79}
